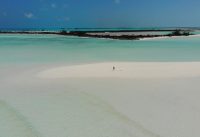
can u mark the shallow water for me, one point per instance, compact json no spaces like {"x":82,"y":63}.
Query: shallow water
{"x":59,"y":49}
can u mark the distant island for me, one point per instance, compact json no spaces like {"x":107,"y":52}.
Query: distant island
{"x":112,"y":34}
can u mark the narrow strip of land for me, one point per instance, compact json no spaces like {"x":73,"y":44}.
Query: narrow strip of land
{"x":120,"y":34}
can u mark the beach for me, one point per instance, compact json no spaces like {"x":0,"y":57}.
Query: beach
{"x":68,"y":87}
{"x":126,"y":70}
{"x":145,"y":104}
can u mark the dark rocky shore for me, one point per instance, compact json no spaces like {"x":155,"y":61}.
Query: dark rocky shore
{"x":107,"y":34}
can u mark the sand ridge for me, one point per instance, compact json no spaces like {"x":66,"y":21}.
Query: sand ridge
{"x":125,"y":70}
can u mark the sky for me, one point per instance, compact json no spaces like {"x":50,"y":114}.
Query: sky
{"x":99,"y":13}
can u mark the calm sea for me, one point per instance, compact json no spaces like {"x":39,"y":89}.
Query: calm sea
{"x":52,"y":48}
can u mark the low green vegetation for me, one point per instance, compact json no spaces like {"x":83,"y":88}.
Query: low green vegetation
{"x":180,"y":33}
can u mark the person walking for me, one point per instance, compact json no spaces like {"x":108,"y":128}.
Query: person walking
{"x":113,"y":68}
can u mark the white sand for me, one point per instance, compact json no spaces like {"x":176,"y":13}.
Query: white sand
{"x":125,"y":70}
{"x":138,"y":99}
{"x":172,"y":37}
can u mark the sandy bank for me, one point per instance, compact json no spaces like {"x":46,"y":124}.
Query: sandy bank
{"x":126,"y":70}
{"x":165,"y":37}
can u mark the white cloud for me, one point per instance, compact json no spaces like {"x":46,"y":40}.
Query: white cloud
{"x":29,"y":15}
{"x":117,"y":1}
{"x":53,"y":5}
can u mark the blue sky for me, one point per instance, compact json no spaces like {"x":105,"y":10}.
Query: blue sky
{"x":98,"y":13}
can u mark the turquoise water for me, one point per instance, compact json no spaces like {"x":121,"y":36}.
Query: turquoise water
{"x":59,"y":49}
